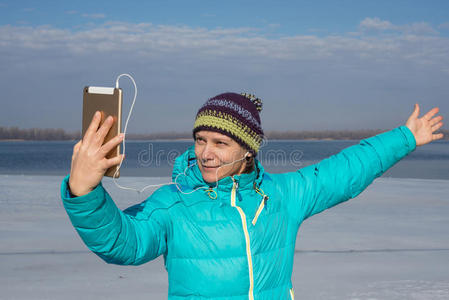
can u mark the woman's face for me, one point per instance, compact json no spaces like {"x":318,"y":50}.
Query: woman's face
{"x":214,"y":150}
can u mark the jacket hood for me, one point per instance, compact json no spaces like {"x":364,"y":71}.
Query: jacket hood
{"x":187,"y":174}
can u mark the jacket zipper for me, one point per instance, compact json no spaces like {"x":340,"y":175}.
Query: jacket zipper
{"x":247,"y":241}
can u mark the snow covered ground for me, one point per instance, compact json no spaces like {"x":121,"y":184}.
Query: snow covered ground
{"x":391,"y":242}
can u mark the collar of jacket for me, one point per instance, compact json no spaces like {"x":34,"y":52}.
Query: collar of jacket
{"x":187,"y":174}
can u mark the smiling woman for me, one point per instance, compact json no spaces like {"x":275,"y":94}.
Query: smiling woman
{"x":228,"y":229}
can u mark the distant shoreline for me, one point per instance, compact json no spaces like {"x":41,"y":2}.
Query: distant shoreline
{"x":12,"y":140}
{"x":12,"y":134}
{"x":191,"y":140}
{"x":175,"y":140}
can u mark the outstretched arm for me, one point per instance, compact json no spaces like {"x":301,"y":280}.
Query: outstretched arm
{"x":423,"y":128}
{"x":345,"y":175}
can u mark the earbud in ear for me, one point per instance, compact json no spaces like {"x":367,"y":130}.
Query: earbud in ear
{"x":247,"y":156}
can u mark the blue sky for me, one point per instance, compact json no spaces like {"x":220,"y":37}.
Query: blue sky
{"x":285,"y":17}
{"x":315,"y":64}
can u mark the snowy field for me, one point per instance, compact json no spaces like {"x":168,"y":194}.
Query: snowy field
{"x":391,"y":242}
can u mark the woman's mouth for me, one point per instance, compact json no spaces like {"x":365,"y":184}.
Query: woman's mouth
{"x":209,"y":167}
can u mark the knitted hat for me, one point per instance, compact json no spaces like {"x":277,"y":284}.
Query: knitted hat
{"x":234,"y":115}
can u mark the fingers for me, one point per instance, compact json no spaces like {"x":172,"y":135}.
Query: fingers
{"x":437,"y":126}
{"x":415,"y":112}
{"x":93,"y":126}
{"x":116,"y":160}
{"x":98,"y":138}
{"x":431,"y":113}
{"x":437,"y":136}
{"x":111,"y":144}
{"x":435,"y":120}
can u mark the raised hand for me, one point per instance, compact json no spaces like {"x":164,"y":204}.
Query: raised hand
{"x":89,"y":162}
{"x":423,"y":128}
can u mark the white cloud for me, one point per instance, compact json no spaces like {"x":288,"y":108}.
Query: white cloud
{"x":149,"y":40}
{"x":187,"y":61}
{"x":421,"y":28}
{"x":376,"y":24}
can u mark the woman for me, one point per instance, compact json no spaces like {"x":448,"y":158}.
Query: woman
{"x":227,"y":229}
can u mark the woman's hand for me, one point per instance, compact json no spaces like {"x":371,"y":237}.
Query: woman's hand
{"x":89,"y":162}
{"x":423,"y":128}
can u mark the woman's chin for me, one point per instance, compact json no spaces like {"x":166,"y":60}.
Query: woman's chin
{"x":211,"y":175}
{"x":210,"y":178}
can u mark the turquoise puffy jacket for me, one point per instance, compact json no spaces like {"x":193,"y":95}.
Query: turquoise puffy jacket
{"x":237,"y":240}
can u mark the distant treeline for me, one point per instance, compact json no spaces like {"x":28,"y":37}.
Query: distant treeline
{"x":47,"y":134}
{"x":37,"y":134}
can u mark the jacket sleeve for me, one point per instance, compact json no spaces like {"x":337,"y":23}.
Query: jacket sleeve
{"x":345,"y":175}
{"x":130,"y":237}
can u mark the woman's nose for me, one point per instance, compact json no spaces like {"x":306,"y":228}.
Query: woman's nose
{"x":207,"y":153}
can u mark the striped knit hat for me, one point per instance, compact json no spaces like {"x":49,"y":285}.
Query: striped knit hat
{"x":234,"y":115}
